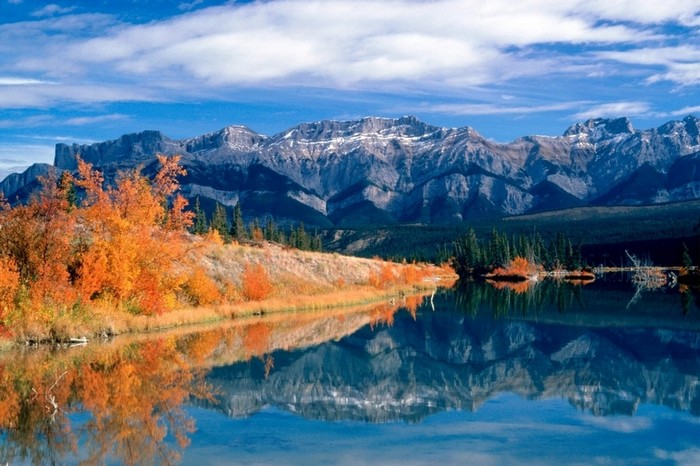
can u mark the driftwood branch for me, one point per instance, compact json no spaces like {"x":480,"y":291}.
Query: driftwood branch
{"x":51,"y":399}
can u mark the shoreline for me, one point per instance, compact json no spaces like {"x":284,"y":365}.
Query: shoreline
{"x":109,"y":326}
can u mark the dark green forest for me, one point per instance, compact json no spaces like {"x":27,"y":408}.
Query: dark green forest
{"x":230,"y":226}
{"x":656,"y":233}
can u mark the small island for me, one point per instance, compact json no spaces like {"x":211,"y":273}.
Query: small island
{"x":519,"y":259}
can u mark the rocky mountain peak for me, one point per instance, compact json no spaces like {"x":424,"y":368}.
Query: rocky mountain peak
{"x":238,"y":138}
{"x":601,"y":128}
{"x":408,"y":126}
{"x":692,"y":127}
{"x":129,"y":148}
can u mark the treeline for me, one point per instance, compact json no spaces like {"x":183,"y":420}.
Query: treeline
{"x":233,"y":228}
{"x":474,"y":256}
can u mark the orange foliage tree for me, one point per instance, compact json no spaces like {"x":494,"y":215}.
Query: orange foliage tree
{"x":9,"y":284}
{"x":201,"y":289}
{"x":385,"y":277}
{"x":133,"y":236}
{"x":36,"y":239}
{"x":118,"y":246}
{"x":256,"y":284}
{"x":519,"y":266}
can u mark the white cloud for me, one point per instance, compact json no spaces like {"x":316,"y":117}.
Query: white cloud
{"x":26,"y":122}
{"x":52,"y":10}
{"x":643,"y":11}
{"x":51,"y":95}
{"x":614,"y":109}
{"x":655,"y":55}
{"x":686,"y":111}
{"x":348,"y":44}
{"x":495,"y":109}
{"x":13,"y":81}
{"x":36,"y":121}
{"x":689,"y":457}
{"x":341,"y":43}
{"x":27,"y":154}
{"x":621,"y":424}
{"x":90,"y":120}
{"x":687,"y":74}
{"x":185,"y":6}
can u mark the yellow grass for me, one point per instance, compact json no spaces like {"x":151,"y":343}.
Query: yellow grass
{"x":300,"y":281}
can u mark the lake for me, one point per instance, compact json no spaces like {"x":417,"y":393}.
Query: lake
{"x":539,"y":374}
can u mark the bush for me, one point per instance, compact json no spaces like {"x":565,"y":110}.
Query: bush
{"x":9,"y":284}
{"x":255,"y":282}
{"x":201,"y":290}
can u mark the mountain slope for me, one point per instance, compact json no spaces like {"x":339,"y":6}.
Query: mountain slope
{"x":384,"y":171}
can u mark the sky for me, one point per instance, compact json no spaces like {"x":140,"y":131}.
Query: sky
{"x":83,"y":72}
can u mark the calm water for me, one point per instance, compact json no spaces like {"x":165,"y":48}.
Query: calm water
{"x":555,"y":374}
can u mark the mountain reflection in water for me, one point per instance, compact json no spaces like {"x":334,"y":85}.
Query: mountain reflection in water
{"x":139,"y":400}
{"x":562,"y":341}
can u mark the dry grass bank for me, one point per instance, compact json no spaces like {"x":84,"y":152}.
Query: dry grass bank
{"x":228,"y":281}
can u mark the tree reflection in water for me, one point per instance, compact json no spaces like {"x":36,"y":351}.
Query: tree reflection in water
{"x":124,"y":402}
{"x":134,"y":395}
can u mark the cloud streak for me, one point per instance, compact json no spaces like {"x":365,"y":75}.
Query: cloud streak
{"x":338,"y":44}
{"x":495,"y":109}
{"x":614,"y":109}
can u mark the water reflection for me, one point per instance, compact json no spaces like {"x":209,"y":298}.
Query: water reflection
{"x":134,"y":395}
{"x":129,"y":401}
{"x":560,"y":341}
{"x":123,"y":402}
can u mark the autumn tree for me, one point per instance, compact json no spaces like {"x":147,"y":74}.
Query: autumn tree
{"x":9,"y":285}
{"x":36,"y":238}
{"x":256,"y":284}
{"x":132,"y":235}
{"x":201,"y":289}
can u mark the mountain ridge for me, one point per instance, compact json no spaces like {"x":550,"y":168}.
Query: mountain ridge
{"x":401,"y":170}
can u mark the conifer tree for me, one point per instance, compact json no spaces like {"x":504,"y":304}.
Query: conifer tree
{"x":238,"y":229}
{"x":200,"y":219}
{"x":219,"y":222}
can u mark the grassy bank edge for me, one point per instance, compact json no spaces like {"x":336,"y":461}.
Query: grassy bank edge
{"x":103,"y":324}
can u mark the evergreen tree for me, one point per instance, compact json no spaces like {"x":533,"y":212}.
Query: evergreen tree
{"x":219,"y":222}
{"x":559,"y":254}
{"x":506,"y":256}
{"x":68,"y":186}
{"x":302,"y":238}
{"x":270,"y":230}
{"x":316,"y":242}
{"x":200,"y":219}
{"x":471,"y":256}
{"x":238,"y":230}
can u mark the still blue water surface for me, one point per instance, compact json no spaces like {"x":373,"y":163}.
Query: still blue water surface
{"x":557,"y":374}
{"x":570,"y":376}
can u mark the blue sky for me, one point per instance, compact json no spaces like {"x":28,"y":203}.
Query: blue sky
{"x":94,"y":70}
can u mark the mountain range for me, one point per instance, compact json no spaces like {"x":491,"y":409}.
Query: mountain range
{"x":386,"y":171}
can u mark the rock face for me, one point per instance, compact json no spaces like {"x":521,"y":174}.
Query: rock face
{"x":18,"y":186}
{"x":378,"y":170}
